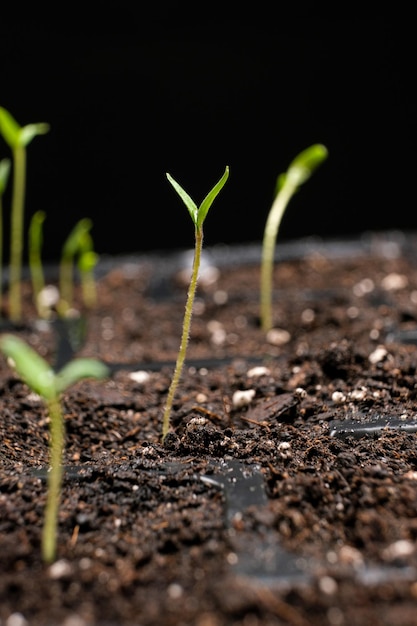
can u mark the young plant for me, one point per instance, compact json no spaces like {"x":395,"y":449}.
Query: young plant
{"x":198,"y":215}
{"x":42,"y":379}
{"x":17,"y":137}
{"x":87,"y":261}
{"x":78,"y":242}
{"x":4,"y":177}
{"x":299,"y":171}
{"x":35,"y":261}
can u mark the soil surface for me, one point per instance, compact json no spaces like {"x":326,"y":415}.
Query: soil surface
{"x":293,"y":503}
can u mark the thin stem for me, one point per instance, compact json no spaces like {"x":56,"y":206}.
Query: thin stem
{"x":16,"y":233}
{"x":35,"y":261}
{"x":1,"y":252}
{"x":268,"y":252}
{"x":185,"y":330}
{"x":88,"y":285}
{"x":65,"y":284}
{"x":87,"y":262}
{"x":49,"y":533}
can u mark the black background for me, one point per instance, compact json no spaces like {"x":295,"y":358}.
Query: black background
{"x":132,"y":95}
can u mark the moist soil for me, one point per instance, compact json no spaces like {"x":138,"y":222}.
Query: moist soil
{"x":292,"y":503}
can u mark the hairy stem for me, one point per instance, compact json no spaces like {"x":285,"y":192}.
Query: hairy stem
{"x":185,"y":331}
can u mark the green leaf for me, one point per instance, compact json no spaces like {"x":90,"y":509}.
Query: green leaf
{"x":30,"y":366}
{"x":210,"y":197}
{"x":17,"y":136}
{"x":305,"y":163}
{"x":78,"y":369}
{"x":9,"y":128}
{"x":4,"y":174}
{"x":198,"y":215}
{"x":189,"y":203}
{"x":27,"y":133}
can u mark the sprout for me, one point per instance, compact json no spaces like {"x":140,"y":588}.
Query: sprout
{"x":87,"y":262}
{"x":78,"y":242}
{"x":299,"y":171}
{"x":35,"y":262}
{"x":198,"y":215}
{"x":17,"y":137}
{"x":4,"y":177}
{"x":42,"y":379}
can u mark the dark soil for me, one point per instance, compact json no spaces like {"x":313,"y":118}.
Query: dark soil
{"x":297,"y":508}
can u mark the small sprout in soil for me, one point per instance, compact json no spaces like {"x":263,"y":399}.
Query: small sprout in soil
{"x":87,"y":261}
{"x":4,"y":177}
{"x":42,"y":379}
{"x":299,"y":171}
{"x":78,"y":242}
{"x":17,"y":137}
{"x":35,"y":262}
{"x":198,"y":215}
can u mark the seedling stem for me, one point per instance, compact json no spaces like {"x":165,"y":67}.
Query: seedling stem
{"x":4,"y":176}
{"x":198,"y":215}
{"x":78,"y":242}
{"x":299,"y":171}
{"x":35,"y":261}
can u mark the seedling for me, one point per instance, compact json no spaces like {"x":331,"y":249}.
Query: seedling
{"x":87,"y":261}
{"x":35,"y":261}
{"x":42,"y":379}
{"x":4,"y":177}
{"x":198,"y":215}
{"x":17,"y":137}
{"x":299,"y":170}
{"x":78,"y":242}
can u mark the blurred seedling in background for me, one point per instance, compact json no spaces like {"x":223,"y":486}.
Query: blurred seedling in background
{"x":198,"y":215}
{"x":87,"y":261}
{"x":17,"y":137}
{"x":4,"y":177}
{"x":79,"y":244}
{"x":35,"y":264}
{"x":49,"y":385}
{"x":299,"y":171}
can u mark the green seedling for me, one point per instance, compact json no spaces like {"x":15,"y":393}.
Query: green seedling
{"x":299,"y":171}
{"x":87,"y":262}
{"x":42,"y":379}
{"x":4,"y":177}
{"x":17,"y":137}
{"x":79,"y":243}
{"x":35,"y":261}
{"x":198,"y":215}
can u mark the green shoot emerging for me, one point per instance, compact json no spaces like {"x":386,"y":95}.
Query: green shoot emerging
{"x":4,"y":177}
{"x":299,"y":171}
{"x":35,"y":261}
{"x":87,"y":261}
{"x":198,"y":215}
{"x":41,"y":378}
{"x":78,"y":242}
{"x":17,"y":137}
